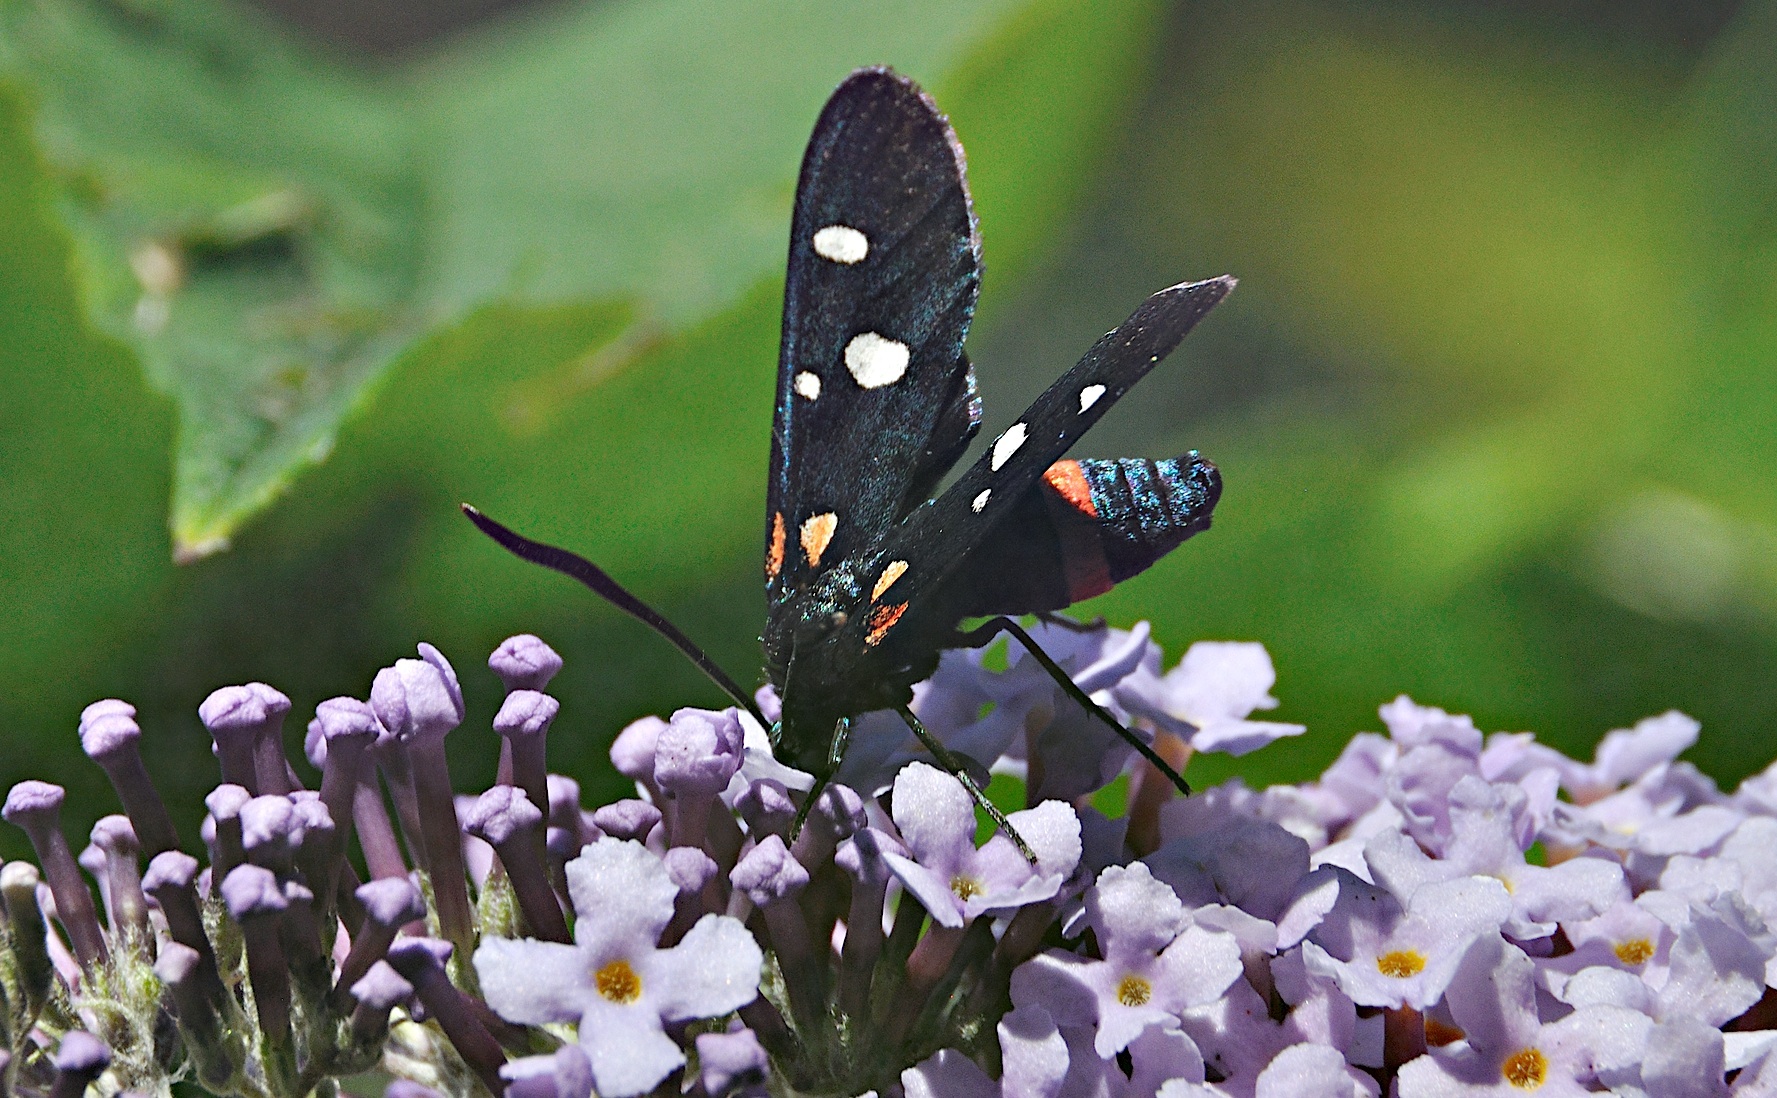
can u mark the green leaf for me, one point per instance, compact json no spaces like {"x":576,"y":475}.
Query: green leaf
{"x":86,"y":449}
{"x":246,"y":218}
{"x":268,"y":229}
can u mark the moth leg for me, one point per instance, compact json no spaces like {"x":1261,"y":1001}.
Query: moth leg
{"x":955,"y":766}
{"x":808,"y":802}
{"x":1049,"y":617}
{"x":982,"y":634}
{"x":835,"y":755}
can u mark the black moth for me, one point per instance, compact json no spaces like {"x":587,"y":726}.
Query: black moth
{"x":867,"y":578}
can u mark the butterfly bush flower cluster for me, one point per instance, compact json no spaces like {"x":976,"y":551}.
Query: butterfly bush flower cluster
{"x":1441,"y":913}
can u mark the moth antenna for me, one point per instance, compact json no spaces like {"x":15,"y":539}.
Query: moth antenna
{"x":579,"y":568}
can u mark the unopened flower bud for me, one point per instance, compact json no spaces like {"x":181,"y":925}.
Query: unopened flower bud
{"x":524,"y":662}
{"x":35,"y":808}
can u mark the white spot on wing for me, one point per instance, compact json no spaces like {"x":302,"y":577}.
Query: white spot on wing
{"x":980,"y":501}
{"x":875,"y":361}
{"x":808,"y":386}
{"x":841,"y":244}
{"x":1007,"y":445}
{"x":1089,"y":396}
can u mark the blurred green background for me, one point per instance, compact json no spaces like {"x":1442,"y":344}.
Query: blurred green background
{"x":1494,"y":404}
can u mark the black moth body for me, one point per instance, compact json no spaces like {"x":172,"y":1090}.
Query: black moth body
{"x":866,"y":577}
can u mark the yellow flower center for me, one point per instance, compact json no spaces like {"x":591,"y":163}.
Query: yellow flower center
{"x":1134,"y":991}
{"x":1401,"y":963}
{"x":1526,"y":1069}
{"x":1635,"y":951}
{"x":618,"y":982}
{"x":966,"y":888}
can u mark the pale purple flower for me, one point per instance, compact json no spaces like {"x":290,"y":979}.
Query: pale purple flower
{"x":1508,"y":1050}
{"x":1184,"y":1088}
{"x":1160,"y":1055}
{"x":1043,"y":1059}
{"x":1659,"y":814}
{"x":1413,"y":725}
{"x":1073,"y":751}
{"x":632,"y":752}
{"x":1353,"y":784}
{"x":524,"y":662}
{"x":985,"y":716}
{"x":732,"y":1063}
{"x":1684,"y":1059}
{"x":1419,"y":787}
{"x":698,"y":752}
{"x":947,"y":873}
{"x":566,"y":1073}
{"x":1717,"y":966}
{"x":948,"y":1074}
{"x":1237,"y":1036}
{"x":615,"y":981}
{"x":417,"y":699}
{"x":1758,"y":794}
{"x":1313,"y":1071}
{"x":1253,"y":864}
{"x":1750,"y":851}
{"x":1627,"y":755}
{"x":1279,"y":943}
{"x":1624,"y":936}
{"x":1207,"y":698}
{"x":1157,"y":961}
{"x":1759,"y":1079}
{"x":1381,"y":954}
{"x":1322,"y":1014}
{"x":1037,"y":1061}
{"x":1487,"y":839}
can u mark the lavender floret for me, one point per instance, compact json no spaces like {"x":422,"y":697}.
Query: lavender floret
{"x":524,"y":662}
{"x":627,"y":819}
{"x":1441,"y":911}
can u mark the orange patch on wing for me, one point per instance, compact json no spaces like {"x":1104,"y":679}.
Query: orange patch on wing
{"x":1067,"y":480}
{"x":774,"y":553}
{"x":817,"y":531}
{"x":895,"y":570}
{"x":882,"y":619}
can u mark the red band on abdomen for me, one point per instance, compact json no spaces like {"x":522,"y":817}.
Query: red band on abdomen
{"x":1067,"y":480}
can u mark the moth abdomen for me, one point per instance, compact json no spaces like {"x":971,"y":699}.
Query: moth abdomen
{"x":1085,"y":526}
{"x":1142,"y":509}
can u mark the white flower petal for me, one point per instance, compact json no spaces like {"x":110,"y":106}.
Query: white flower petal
{"x":935,"y":816}
{"x":629,"y":1051}
{"x":1313,"y":1071}
{"x":623,"y":897}
{"x":1033,"y":1053}
{"x":1052,"y":830}
{"x":948,"y":1074}
{"x":1221,"y":679}
{"x":531,"y":982}
{"x":714,"y":969}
